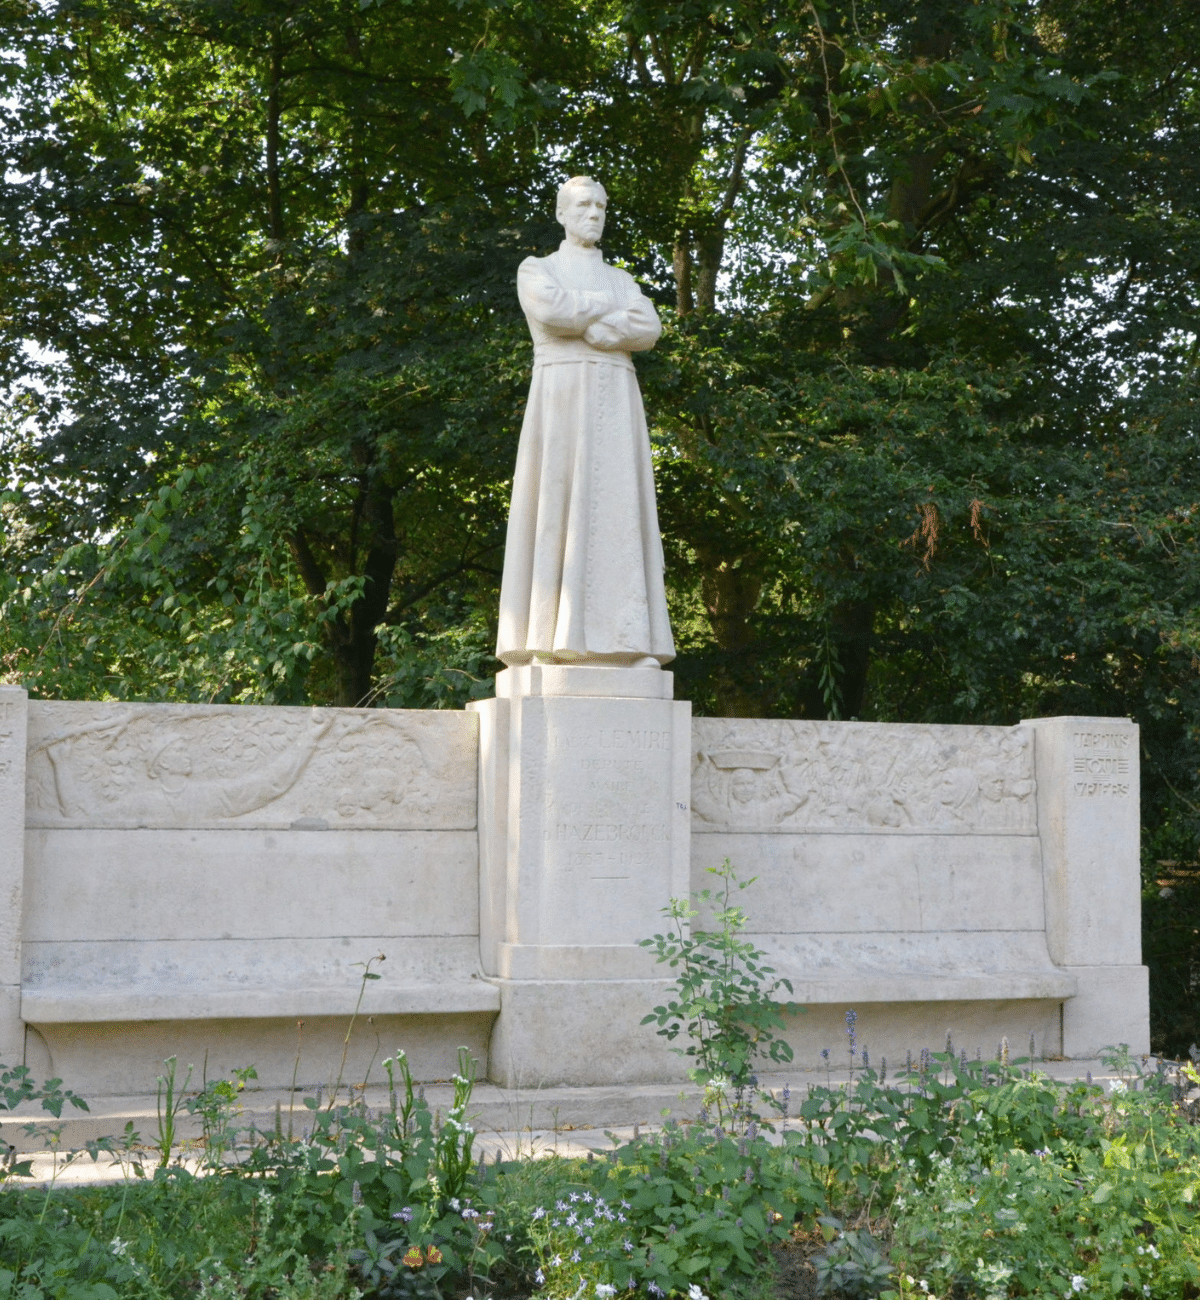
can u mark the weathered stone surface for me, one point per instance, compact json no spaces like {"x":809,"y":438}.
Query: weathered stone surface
{"x":859,"y":882}
{"x":126,"y":1056}
{"x":211,"y":884}
{"x":766,"y":775}
{"x":129,"y":765}
{"x":190,"y":979}
{"x":13,"y":718}
{"x":595,"y":829}
{"x":1089,"y":819}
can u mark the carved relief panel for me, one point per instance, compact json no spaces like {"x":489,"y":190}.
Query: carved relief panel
{"x":162,"y":765}
{"x":752,"y":775}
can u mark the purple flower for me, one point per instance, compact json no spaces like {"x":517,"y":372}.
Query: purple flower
{"x":405,"y":1214}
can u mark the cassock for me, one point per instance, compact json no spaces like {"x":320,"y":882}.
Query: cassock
{"x":583,"y":565}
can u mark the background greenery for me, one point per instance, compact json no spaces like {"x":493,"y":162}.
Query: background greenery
{"x":924,"y":412}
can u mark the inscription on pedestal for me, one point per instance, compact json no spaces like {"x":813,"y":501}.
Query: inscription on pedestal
{"x":1099,"y":763}
{"x":605,"y":821}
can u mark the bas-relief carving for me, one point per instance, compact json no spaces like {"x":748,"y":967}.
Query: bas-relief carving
{"x":147,"y":765}
{"x":845,"y":776}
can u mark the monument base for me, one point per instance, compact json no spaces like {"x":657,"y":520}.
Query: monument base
{"x":584,"y":835}
{"x":579,"y":1033}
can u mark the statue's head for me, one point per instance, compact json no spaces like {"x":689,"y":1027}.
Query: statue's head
{"x":581,"y":206}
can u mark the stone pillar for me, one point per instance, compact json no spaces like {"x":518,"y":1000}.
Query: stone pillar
{"x":584,"y":829}
{"x":14,"y":707}
{"x":1089,"y":825}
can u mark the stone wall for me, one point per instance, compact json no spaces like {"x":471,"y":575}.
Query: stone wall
{"x":209,"y":881}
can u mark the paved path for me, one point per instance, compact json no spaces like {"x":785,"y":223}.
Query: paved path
{"x":566,"y":1121}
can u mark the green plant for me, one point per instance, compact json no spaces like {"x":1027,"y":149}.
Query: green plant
{"x":216,"y":1104}
{"x":853,"y":1264}
{"x":16,"y":1087}
{"x":170,"y":1100}
{"x":723,"y":994}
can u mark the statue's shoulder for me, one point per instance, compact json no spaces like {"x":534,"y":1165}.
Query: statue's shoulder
{"x":539,"y":265}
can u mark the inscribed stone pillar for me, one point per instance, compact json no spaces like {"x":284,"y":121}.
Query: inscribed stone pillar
{"x":1089,"y":823}
{"x":584,"y":838}
{"x":14,"y":707}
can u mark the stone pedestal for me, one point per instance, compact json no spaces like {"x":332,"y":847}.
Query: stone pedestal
{"x":14,"y":707}
{"x":1088,"y":823}
{"x":584,"y":829}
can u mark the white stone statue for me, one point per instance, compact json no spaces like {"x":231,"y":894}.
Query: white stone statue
{"x":583,"y":566}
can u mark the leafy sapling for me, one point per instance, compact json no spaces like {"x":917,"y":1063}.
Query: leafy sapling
{"x":723,"y":997}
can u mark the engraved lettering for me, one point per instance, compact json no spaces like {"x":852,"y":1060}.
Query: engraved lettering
{"x":1102,"y":739}
{"x":608,"y":832}
{"x":1094,"y":789}
{"x":623,"y":739}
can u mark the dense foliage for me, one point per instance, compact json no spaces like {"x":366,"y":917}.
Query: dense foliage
{"x":924,"y":412}
{"x":962,"y":1179}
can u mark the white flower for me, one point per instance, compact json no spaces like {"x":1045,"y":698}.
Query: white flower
{"x":1078,"y":1284}
{"x":119,"y":1247}
{"x":605,"y":1290}
{"x":694,"y":1293}
{"x":1117,"y":1086}
{"x":1153,"y":1250}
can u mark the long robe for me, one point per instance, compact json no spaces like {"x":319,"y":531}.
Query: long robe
{"x":583,"y":564}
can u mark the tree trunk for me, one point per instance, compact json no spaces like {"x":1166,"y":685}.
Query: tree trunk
{"x":730,"y":591}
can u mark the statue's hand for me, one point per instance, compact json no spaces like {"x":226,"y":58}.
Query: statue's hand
{"x":604,"y":335}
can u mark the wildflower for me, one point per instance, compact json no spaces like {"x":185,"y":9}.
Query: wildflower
{"x":412,"y":1257}
{"x":556,"y":1261}
{"x":1078,"y":1284}
{"x":573,"y":1197}
{"x":356,"y":1194}
{"x":454,"y":1203}
{"x":605,"y":1290}
{"x":852,"y":1029}
{"x":433,"y":1255}
{"x":825,"y":1055}
{"x":1118,"y":1086}
{"x":694,"y":1293}
{"x":587,"y":1197}
{"x":119,"y":1247}
{"x":539,"y":1213}
{"x":1153,"y":1250}
{"x":575,"y":1257}
{"x":405,"y":1214}
{"x":469,"y":1213}
{"x":540,"y":1278}
{"x":627,"y":1246}
{"x":654,"y":1288}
